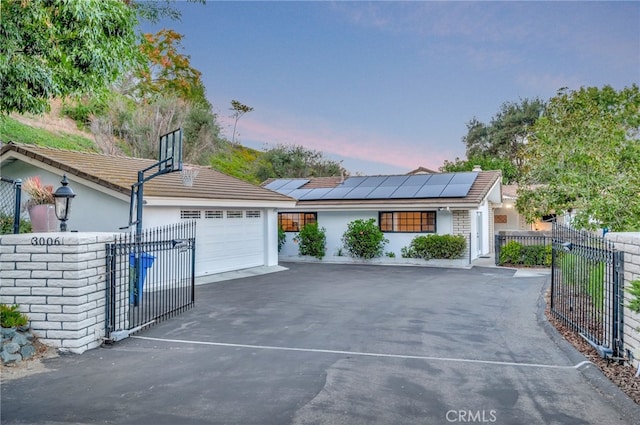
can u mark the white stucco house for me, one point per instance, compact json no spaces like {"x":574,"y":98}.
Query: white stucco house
{"x":404,"y":206}
{"x":236,"y":221}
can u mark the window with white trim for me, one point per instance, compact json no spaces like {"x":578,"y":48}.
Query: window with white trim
{"x":234,"y":214}
{"x":253,"y":214}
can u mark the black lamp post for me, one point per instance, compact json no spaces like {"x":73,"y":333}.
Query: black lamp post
{"x":63,"y":196}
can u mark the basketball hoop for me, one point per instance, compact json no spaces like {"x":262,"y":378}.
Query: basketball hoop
{"x":188,"y":175}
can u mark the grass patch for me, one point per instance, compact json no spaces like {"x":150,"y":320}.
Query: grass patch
{"x":14,"y":131}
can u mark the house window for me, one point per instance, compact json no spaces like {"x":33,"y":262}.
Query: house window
{"x":234,"y":214}
{"x":213,"y":214}
{"x":189,"y":214}
{"x":408,"y":221}
{"x":253,"y":214}
{"x":293,"y":222}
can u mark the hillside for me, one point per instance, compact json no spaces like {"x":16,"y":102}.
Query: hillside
{"x":54,"y":130}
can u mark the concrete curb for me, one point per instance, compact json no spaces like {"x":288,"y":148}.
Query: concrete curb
{"x":626,"y":406}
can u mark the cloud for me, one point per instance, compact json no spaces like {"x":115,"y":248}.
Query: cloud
{"x":548,"y":83}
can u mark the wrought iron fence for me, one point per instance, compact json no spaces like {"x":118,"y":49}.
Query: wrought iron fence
{"x":10,"y":198}
{"x":587,"y":288}
{"x":150,"y":277}
{"x":523,"y":250}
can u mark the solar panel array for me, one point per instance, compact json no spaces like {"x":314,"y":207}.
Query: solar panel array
{"x":445,"y":185}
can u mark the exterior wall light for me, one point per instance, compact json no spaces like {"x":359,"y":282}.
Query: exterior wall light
{"x":63,"y":196}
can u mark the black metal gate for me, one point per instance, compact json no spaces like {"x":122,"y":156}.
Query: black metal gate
{"x":150,"y":277}
{"x":587,"y":288}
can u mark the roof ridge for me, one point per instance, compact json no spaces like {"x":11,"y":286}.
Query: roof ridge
{"x":59,"y":149}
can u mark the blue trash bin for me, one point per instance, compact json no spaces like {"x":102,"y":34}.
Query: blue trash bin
{"x":135,"y":289}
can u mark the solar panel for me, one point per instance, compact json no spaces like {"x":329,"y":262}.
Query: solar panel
{"x":394,"y":181}
{"x":417,"y":180}
{"x":299,"y":193}
{"x":405,"y":192}
{"x":382,"y":192}
{"x":373,"y":181}
{"x":455,"y":190}
{"x":316,"y":193}
{"x":295,"y":184}
{"x":464,"y":178}
{"x":359,"y":192}
{"x":337,"y":193}
{"x":353,"y":181}
{"x":277,"y":184}
{"x":438,"y":179}
{"x":430,"y":191}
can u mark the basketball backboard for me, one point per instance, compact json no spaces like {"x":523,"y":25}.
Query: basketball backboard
{"x":170,"y":155}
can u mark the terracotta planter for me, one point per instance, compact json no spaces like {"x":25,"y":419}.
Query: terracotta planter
{"x":43,"y":218}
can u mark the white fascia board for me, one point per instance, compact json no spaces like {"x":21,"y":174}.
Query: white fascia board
{"x":215,"y":203}
{"x":59,"y":172}
{"x":495,"y":193}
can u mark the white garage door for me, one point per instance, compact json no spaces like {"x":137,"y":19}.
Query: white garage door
{"x":228,"y":239}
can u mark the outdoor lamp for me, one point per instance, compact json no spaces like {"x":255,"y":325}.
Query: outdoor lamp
{"x":63,"y":196}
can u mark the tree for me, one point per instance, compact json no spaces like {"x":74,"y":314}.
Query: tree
{"x":289,"y":161}
{"x":508,"y":168}
{"x":166,"y":70}
{"x":503,"y":138}
{"x":239,"y":110}
{"x":584,"y":158}
{"x":62,"y":48}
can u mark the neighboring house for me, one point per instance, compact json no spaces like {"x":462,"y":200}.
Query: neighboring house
{"x":236,"y":221}
{"x":508,"y":218}
{"x":404,"y":206}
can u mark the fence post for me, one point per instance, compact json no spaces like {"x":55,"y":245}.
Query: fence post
{"x":16,"y":211}
{"x":496,"y":250}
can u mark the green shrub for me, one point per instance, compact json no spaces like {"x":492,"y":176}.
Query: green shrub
{"x":436,"y":246}
{"x":11,"y":317}
{"x":390,"y":254}
{"x":6,"y":225}
{"x":511,"y":253}
{"x":634,"y":290}
{"x":529,"y":255}
{"x":282,"y":238}
{"x":408,"y":252}
{"x":364,"y":239}
{"x":312,"y":240}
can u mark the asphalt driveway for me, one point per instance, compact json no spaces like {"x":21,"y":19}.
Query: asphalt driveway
{"x":335,"y":344}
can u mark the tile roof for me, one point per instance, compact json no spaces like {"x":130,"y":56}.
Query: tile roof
{"x":118,"y":173}
{"x":480,"y":188}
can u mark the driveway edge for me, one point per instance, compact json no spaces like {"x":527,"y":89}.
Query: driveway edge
{"x":626,"y":406}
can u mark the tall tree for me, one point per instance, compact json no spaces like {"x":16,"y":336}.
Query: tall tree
{"x":584,"y":157}
{"x":239,"y":109}
{"x":503,"y":138}
{"x":62,"y":48}
{"x":167,"y":70}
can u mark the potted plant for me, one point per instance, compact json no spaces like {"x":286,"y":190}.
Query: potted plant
{"x":40,"y":205}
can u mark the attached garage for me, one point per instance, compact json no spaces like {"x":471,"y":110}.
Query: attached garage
{"x":236,"y":222}
{"x":228,"y":239}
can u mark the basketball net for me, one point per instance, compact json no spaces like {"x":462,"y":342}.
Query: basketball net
{"x":188,"y":175}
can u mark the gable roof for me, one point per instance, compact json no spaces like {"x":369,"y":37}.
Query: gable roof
{"x":464,"y":189}
{"x":118,"y":173}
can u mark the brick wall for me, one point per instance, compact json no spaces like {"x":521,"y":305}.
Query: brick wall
{"x":462,"y":226}
{"x":58,"y":279}
{"x":630,"y":244}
